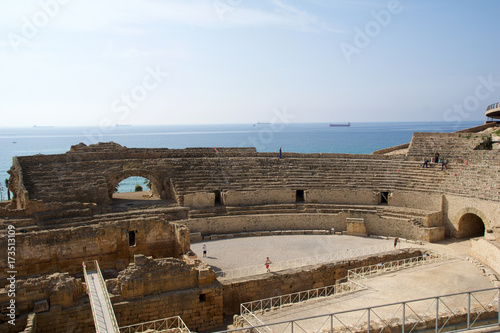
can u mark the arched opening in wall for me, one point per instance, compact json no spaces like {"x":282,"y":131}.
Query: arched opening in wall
{"x":470,"y":225}
{"x":134,"y":190}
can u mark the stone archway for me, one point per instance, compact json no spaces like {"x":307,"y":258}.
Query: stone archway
{"x":471,"y":224}
{"x":156,"y":185}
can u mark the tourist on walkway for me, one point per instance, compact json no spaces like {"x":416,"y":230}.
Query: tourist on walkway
{"x":280,"y":152}
{"x":204,"y":250}
{"x":396,"y":241}
{"x":267,"y":263}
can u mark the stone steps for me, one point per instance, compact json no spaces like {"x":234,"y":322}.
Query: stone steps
{"x":189,"y":175}
{"x":386,"y":211}
{"x":106,"y":218}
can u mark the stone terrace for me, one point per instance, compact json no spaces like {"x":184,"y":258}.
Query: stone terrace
{"x":454,"y":147}
{"x":91,"y":177}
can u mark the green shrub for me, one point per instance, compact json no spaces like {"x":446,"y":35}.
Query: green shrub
{"x":138,"y":188}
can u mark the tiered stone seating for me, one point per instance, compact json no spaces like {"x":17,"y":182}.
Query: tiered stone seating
{"x":478,"y":181}
{"x":85,"y":177}
{"x":64,"y":218}
{"x":453,"y":147}
{"x":387,"y":211}
{"x":305,"y":173}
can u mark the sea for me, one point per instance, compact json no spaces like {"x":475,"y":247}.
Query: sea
{"x":358,"y":138}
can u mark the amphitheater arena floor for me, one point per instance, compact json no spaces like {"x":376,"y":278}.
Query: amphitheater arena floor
{"x":455,"y":275}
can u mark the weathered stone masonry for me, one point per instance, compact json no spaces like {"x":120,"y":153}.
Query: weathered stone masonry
{"x":63,"y":212}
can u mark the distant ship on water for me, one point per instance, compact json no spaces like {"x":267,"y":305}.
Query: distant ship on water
{"x":262,"y":123}
{"x":42,"y":126}
{"x":340,"y":125}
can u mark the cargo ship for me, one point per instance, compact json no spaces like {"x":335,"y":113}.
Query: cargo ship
{"x":340,"y":125}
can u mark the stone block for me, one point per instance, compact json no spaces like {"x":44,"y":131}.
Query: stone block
{"x":140,"y":259}
{"x":41,"y":306}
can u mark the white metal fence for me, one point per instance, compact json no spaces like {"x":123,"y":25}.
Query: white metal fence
{"x":447,"y":313}
{"x":428,"y":258}
{"x":300,"y":262}
{"x":279,"y":301}
{"x":172,"y":324}
{"x":355,"y":281}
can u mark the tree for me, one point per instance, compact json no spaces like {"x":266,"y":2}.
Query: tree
{"x":138,"y":188}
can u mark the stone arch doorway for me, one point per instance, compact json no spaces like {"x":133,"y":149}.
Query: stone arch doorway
{"x":471,"y":225}
{"x":155,"y":184}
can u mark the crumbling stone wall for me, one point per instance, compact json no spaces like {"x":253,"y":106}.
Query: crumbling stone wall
{"x":148,"y":289}
{"x":58,"y":299}
{"x":163,"y":288}
{"x":64,"y":250}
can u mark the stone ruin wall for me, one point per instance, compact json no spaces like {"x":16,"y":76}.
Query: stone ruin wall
{"x":148,"y":289}
{"x":374,"y":224}
{"x":110,"y":162}
{"x":64,"y":250}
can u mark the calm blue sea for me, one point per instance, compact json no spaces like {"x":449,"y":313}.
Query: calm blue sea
{"x":359,"y":138}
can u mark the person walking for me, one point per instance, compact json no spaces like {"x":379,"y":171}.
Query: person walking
{"x":267,"y":263}
{"x":204,"y":250}
{"x":280,"y":153}
{"x":396,"y":241}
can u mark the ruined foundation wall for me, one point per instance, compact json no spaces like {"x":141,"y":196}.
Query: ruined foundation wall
{"x":64,"y":250}
{"x":149,"y":289}
{"x":167,"y":287}
{"x":59,"y":301}
{"x":198,"y":312}
{"x":487,"y":252}
{"x":241,"y":290}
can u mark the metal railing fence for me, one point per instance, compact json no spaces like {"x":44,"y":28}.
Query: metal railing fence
{"x":300,"y":262}
{"x":171,"y":324}
{"x":93,"y":300}
{"x":392,"y":266}
{"x":493,"y":106}
{"x":456,"y":312}
{"x":279,"y":301}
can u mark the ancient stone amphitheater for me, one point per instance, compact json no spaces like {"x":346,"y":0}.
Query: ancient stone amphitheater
{"x":63,"y":213}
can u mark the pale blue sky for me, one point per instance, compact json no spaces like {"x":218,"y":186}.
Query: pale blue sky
{"x":72,"y":63}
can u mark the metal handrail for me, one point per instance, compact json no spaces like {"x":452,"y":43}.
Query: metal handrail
{"x":392,"y":266}
{"x":493,"y":106}
{"x":107,"y":299}
{"x":409,"y":319}
{"x":279,"y":301}
{"x":248,"y":312}
{"x":160,"y":325}
{"x":300,"y":262}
